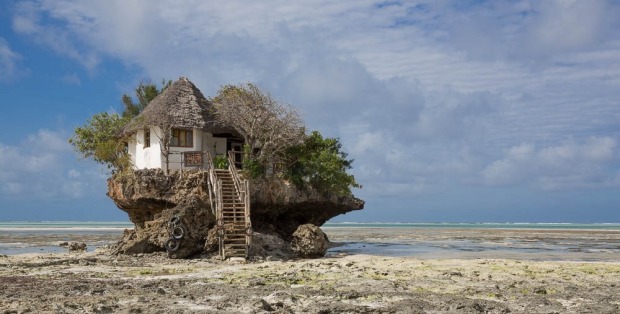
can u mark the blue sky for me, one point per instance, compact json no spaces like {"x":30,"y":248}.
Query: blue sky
{"x":453,"y":110}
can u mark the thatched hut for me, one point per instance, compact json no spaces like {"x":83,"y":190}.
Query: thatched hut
{"x":177,"y":128}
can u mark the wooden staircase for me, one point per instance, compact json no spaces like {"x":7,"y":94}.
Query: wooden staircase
{"x":231,"y":201}
{"x":233,"y":242}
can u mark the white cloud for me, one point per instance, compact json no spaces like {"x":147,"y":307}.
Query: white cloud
{"x":9,"y":60}
{"x":42,"y":167}
{"x":559,"y":26}
{"x":591,"y":163}
{"x":28,"y":21}
{"x":424,"y":94}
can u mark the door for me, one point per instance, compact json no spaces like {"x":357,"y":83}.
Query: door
{"x":237,"y":149}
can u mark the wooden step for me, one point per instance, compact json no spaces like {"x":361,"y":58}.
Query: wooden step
{"x":235,"y":232}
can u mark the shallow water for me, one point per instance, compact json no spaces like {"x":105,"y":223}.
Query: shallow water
{"x":24,"y":240}
{"x":404,"y":240}
{"x":539,"y":244}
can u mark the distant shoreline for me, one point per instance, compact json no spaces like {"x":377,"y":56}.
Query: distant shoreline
{"x":12,"y":225}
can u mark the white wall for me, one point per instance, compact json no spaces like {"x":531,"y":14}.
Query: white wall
{"x":151,"y":157}
{"x":215,"y":145}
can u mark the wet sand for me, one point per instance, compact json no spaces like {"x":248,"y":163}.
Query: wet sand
{"x":428,"y":271}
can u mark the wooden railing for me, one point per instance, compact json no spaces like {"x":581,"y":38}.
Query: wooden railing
{"x":235,"y":175}
{"x":220,"y":216}
{"x":248,"y":222}
{"x":211,"y":184}
{"x":243,"y":187}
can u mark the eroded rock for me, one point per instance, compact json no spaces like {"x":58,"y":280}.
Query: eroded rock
{"x":151,"y":199}
{"x":309,"y":241}
{"x":180,"y":231}
{"x":270,"y":246}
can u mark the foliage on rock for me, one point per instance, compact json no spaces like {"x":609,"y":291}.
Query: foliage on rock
{"x":102,"y":138}
{"x":145,"y":92}
{"x":321,"y":164}
{"x":99,"y":140}
{"x":268,"y":127}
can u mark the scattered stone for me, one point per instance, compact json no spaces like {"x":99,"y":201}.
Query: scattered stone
{"x":540,"y":291}
{"x":77,"y":247}
{"x":265,"y":306}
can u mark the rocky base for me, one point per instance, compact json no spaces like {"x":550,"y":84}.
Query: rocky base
{"x":153,"y":200}
{"x":180,"y":231}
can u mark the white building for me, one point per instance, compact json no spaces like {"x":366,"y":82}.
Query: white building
{"x":181,"y":114}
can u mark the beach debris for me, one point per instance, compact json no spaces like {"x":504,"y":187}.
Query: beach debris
{"x":77,"y":246}
{"x":177,"y":232}
{"x":309,"y":241}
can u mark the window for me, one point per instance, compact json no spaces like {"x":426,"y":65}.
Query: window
{"x":147,"y":138}
{"x":182,"y":138}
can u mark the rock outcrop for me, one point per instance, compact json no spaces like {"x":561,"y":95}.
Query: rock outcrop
{"x":153,"y":200}
{"x":279,"y":207}
{"x":309,"y":241}
{"x":270,"y":247}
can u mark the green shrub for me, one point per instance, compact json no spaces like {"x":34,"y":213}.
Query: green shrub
{"x":252,"y":166}
{"x":220,"y":162}
{"x":319,"y":163}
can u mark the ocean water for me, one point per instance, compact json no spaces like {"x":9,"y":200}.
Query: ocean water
{"x":46,"y":237}
{"x":532,"y":241}
{"x":481,"y":225}
{"x":536,"y":241}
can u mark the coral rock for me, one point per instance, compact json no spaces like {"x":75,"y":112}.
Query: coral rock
{"x":309,"y":241}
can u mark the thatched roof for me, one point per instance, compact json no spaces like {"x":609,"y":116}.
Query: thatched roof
{"x":181,"y":105}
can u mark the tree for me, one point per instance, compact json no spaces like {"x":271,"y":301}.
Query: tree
{"x":99,"y":139}
{"x":321,"y":164}
{"x":102,"y":138}
{"x":145,"y":92}
{"x":268,"y":127}
{"x":160,"y":118}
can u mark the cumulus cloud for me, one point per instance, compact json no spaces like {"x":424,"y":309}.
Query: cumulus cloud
{"x":591,"y":163}
{"x":28,"y":20}
{"x":42,"y":167}
{"x":426,"y":95}
{"x":560,"y":26}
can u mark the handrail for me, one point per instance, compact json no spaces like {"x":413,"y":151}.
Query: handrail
{"x":212,"y":181}
{"x":220,"y":216}
{"x":243,"y":187}
{"x":234,"y":173}
{"x":248,"y":222}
